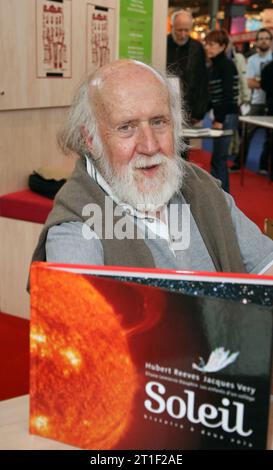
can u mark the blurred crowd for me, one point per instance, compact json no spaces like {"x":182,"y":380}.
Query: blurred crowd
{"x":215,"y":78}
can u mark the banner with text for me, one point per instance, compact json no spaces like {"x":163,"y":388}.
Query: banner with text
{"x":136,"y":28}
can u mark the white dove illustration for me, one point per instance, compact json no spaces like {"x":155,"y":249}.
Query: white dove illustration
{"x":218,"y":359}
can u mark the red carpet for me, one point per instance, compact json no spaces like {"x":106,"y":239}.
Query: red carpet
{"x":14,"y":356}
{"x":254,"y":198}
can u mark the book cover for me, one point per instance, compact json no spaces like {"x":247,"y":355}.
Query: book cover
{"x":123,"y":365}
{"x":243,"y":288}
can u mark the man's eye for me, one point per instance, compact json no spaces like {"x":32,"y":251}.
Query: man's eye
{"x":125,"y":128}
{"x":159,"y":123}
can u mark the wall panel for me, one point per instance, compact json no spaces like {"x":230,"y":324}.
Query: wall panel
{"x":28,"y":141}
{"x":19,"y":85}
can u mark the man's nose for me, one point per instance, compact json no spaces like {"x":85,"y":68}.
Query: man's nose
{"x":182,"y":33}
{"x":147,"y":141}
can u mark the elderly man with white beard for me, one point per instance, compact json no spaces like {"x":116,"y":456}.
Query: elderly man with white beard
{"x":132,"y":200}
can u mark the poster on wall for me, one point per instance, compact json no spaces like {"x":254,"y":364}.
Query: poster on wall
{"x":100,"y":36}
{"x":53,"y":38}
{"x":136,"y":29}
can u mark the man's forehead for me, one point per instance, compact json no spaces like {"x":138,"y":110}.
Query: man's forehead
{"x":133,"y":82}
{"x":127,"y":83}
{"x":184,"y":20}
{"x":121,"y":70}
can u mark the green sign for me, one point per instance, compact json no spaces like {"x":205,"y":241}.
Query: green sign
{"x":136,"y":29}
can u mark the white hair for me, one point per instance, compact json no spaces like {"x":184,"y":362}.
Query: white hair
{"x":181,"y":12}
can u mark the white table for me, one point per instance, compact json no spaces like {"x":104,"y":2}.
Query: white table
{"x":259,"y":121}
{"x":205,"y":133}
{"x":14,"y":433}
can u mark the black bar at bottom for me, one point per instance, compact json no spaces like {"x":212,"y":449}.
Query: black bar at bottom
{"x":52,"y":74}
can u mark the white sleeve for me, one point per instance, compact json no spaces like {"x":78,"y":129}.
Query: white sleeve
{"x":251,"y":71}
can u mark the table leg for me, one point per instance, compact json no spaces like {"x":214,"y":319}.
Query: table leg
{"x":270,"y":155}
{"x":243,"y":151}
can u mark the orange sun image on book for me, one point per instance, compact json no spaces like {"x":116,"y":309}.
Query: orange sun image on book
{"x":82,"y":380}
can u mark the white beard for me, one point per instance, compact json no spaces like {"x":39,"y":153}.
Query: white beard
{"x":155,"y":191}
{"x":180,"y":42}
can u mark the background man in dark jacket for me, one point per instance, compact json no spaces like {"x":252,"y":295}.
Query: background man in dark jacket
{"x":267,"y":86}
{"x":186,"y":59}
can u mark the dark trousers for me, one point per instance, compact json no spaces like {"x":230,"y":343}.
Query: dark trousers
{"x":255,"y":110}
{"x":220,"y":152}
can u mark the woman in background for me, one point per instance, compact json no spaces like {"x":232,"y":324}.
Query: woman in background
{"x":224,"y":91}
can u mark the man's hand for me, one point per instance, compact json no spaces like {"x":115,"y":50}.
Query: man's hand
{"x":254,"y":83}
{"x":217,"y":125}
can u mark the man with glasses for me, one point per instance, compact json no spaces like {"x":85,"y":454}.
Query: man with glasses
{"x":186,"y":59}
{"x":255,"y":65}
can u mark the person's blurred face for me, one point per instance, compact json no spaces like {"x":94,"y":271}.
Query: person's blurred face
{"x":213,"y":49}
{"x":181,"y":29}
{"x":264,"y":41}
{"x":136,"y":130}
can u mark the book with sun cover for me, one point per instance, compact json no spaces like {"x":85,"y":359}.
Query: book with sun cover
{"x":122,"y":364}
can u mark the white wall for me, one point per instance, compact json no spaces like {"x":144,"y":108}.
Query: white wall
{"x":31,"y":112}
{"x":159,"y":34}
{"x":27,"y":136}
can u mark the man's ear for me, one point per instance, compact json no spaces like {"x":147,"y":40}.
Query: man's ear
{"x":87,"y":138}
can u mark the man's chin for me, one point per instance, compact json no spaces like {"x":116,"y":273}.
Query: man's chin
{"x":181,"y":42}
{"x":149,"y":185}
{"x":149,"y":188}
{"x":151,"y":200}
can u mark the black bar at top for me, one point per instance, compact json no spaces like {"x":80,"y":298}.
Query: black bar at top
{"x":52,"y":74}
{"x":101,"y":8}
